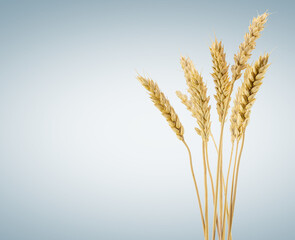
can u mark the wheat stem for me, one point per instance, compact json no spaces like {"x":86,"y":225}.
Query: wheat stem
{"x":232,"y":189}
{"x":209,"y":170}
{"x":206,"y":190}
{"x":212,"y":186}
{"x":217,"y":183}
{"x":225,"y":192}
{"x":221,"y":191}
{"x":236,"y":181}
{"x":215,"y":145}
{"x":226,"y":204}
{"x":195,"y":183}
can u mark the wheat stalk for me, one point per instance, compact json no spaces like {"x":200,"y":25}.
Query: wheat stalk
{"x":163,"y":104}
{"x":198,"y":104}
{"x":240,"y":59}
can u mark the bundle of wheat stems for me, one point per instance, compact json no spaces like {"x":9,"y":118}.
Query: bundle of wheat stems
{"x":197,"y":102}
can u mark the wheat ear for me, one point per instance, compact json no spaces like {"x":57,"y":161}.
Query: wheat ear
{"x":245,"y":97}
{"x":197,"y":89}
{"x":163,"y":104}
{"x":248,"y":45}
{"x":220,"y":77}
{"x":252,"y":81}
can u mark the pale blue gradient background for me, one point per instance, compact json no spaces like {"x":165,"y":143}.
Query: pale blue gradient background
{"x":83,"y":152}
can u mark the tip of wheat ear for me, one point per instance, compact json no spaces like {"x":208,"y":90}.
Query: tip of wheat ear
{"x":163,"y":104}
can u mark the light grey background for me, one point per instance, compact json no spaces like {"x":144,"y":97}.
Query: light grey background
{"x":84,"y":154}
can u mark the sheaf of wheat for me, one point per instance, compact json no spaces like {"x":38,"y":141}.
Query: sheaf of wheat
{"x":197,"y":101}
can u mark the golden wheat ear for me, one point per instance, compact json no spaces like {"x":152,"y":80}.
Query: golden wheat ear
{"x":220,"y":77}
{"x":163,"y":104}
{"x":246,"y":95}
{"x":199,"y":100}
{"x":248,"y":45}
